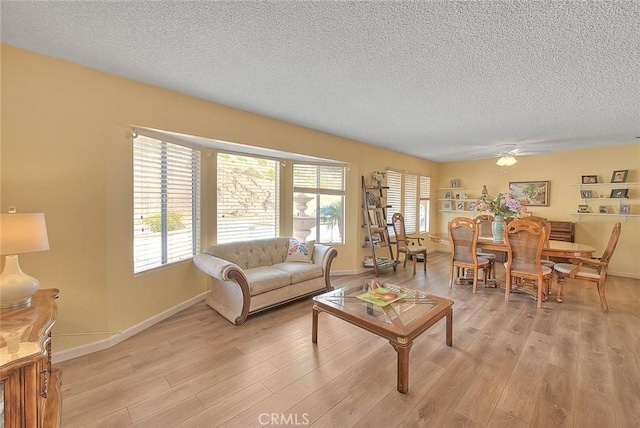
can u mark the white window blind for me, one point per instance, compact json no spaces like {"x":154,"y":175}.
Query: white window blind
{"x":247,"y":197}
{"x":166,"y":203}
{"x":410,"y":209}
{"x":425,"y":203}
{"x":394,"y":195}
{"x":318,"y":199}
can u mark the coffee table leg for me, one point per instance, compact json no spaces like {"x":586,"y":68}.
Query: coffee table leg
{"x":314,"y":326}
{"x":450,"y":328}
{"x":403,"y":365}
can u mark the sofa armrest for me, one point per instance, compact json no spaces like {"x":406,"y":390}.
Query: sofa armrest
{"x":226,"y":271}
{"x":323,"y":255}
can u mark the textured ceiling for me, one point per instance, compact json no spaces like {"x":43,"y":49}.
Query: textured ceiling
{"x":439,"y":80}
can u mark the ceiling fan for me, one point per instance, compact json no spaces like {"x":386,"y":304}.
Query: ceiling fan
{"x":507,"y":154}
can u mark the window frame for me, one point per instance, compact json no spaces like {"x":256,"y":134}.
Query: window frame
{"x":317,"y":193}
{"x":164,"y":165}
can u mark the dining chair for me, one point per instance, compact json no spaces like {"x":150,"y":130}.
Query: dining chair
{"x":463,"y":235}
{"x":406,"y":244}
{"x":484,"y":231}
{"x":547,"y":226}
{"x":525,"y":240}
{"x":594,"y":270}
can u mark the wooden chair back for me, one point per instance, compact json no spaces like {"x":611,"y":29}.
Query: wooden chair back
{"x":525,"y":240}
{"x":484,"y":225}
{"x":397,"y":221}
{"x":545,"y":224}
{"x":463,"y":235}
{"x":403,"y":244}
{"x":611,"y":246}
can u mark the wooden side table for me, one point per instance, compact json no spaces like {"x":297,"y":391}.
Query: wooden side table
{"x":29,"y":389}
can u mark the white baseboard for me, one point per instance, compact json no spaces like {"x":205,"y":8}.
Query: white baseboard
{"x":80,"y":351}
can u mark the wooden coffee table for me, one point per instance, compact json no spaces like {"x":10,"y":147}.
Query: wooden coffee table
{"x":399,"y":322}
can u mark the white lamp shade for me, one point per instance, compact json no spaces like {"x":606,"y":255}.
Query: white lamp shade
{"x":506,"y":160}
{"x":23,"y":233}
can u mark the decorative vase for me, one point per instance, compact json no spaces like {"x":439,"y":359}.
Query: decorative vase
{"x":497,"y":227}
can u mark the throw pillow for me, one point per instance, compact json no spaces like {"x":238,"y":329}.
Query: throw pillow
{"x":300,"y":251}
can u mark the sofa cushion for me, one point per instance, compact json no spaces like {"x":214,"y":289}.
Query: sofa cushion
{"x":266,"y":278}
{"x":300,"y":251}
{"x":300,"y":272}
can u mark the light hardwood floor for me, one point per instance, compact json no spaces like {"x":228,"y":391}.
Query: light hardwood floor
{"x":568,"y":364}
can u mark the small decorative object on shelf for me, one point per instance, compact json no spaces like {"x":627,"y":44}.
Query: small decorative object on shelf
{"x":583,"y":208}
{"x":455,"y":183}
{"x":619,"y":176}
{"x":472,"y":206}
{"x":619,"y":193}
{"x":377,"y":177}
{"x":625,"y":209}
{"x":446,"y":205}
{"x":589,"y":179}
{"x":603,"y":209}
{"x":586,"y":194}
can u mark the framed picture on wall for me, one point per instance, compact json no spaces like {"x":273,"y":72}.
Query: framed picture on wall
{"x":589,"y":179}
{"x":603,"y":209}
{"x":619,"y":193}
{"x":619,"y":176}
{"x":531,"y":193}
{"x":625,"y":209}
{"x":586,"y":194}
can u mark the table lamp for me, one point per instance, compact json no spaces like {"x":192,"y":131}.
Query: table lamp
{"x":19,"y":233}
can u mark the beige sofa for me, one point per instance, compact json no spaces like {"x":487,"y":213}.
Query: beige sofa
{"x":251,"y":276}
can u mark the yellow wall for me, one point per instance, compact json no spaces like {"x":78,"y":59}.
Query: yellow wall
{"x":66,"y":151}
{"x":564,"y":170}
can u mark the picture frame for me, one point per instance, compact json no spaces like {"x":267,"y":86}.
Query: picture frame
{"x":583,"y":208}
{"x":603,"y":209}
{"x":447,"y":195}
{"x":531,"y":193}
{"x":619,"y":176}
{"x":586,"y":194}
{"x":619,"y":193}
{"x":472,"y":206}
{"x":589,"y":179}
{"x":455,"y":183}
{"x":446,"y":205}
{"x":625,"y":209}
{"x":460,"y":206}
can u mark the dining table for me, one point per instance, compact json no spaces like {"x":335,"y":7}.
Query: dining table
{"x":561,"y":249}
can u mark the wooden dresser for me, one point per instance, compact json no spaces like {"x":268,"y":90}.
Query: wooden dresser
{"x":29,"y":390}
{"x":563,"y":231}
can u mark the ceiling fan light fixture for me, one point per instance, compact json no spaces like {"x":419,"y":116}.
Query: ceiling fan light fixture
{"x":506,"y":160}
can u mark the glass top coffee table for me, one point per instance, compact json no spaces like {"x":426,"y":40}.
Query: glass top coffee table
{"x":395,"y":313}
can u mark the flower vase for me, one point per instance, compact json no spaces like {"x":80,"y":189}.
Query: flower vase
{"x":497,"y":227}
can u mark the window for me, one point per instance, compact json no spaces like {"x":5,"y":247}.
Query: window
{"x":248,"y":195}
{"x":425,"y":203}
{"x":409,"y":194}
{"x":166,"y":203}
{"x":410,"y":208}
{"x":318,"y":198}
